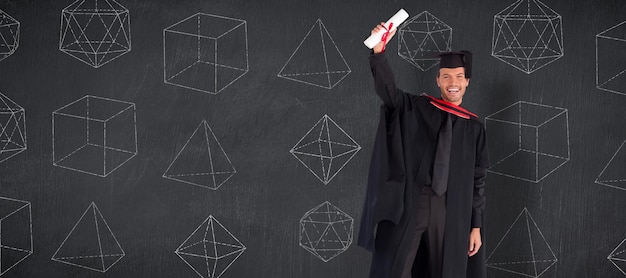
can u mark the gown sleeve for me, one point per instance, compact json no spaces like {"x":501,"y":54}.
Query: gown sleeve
{"x":384,"y":81}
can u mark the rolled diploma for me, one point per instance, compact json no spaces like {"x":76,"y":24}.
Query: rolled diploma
{"x":396,"y":19}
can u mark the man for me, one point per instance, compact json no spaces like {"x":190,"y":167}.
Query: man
{"x":423,"y":211}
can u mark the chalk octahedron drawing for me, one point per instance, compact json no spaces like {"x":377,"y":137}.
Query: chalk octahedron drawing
{"x":317,"y":60}
{"x":523,"y":250}
{"x":613,"y":174}
{"x":528,"y":141}
{"x":325,"y":149}
{"x":202,"y":161}
{"x":611,"y":64}
{"x":94,"y":135}
{"x":90,"y":244}
{"x":421,"y":38}
{"x":205,"y":52}
{"x":12,"y":128}
{"x":16,"y":236}
{"x":211,"y":249}
{"x":618,"y":257}
{"x":527,"y":35}
{"x":9,"y":35}
{"x":95,"y":31}
{"x":326,"y":231}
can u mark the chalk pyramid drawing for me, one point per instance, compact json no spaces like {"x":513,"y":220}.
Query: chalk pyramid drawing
{"x":12,"y":128}
{"x":613,"y":174}
{"x":316,"y":61}
{"x":211,"y":249}
{"x":523,"y":250}
{"x":90,"y":244}
{"x":325,"y":149}
{"x":202,"y":161}
{"x":618,"y":257}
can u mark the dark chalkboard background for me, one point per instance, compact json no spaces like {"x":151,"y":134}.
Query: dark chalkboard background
{"x":260,"y":117}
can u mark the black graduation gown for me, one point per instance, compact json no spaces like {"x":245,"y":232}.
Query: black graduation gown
{"x":402,"y":158}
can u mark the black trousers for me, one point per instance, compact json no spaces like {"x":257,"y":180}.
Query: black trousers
{"x":431,"y":221}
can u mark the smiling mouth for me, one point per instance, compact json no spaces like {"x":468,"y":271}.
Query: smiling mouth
{"x":453,"y":90}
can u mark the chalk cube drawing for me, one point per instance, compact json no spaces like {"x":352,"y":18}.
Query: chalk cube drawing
{"x":95,"y":31}
{"x":16,"y":233}
{"x":205,"y":52}
{"x":422,"y":38}
{"x":618,"y":257}
{"x":90,"y":244}
{"x":523,"y":250}
{"x":611,"y":64}
{"x":527,"y":35}
{"x":94,"y":135}
{"x":613,"y":174}
{"x":201,"y":161}
{"x":528,"y":141}
{"x":211,"y":249}
{"x":326,"y":231}
{"x":325,"y":149}
{"x":12,"y":128}
{"x":9,"y":35}
{"x":317,"y":60}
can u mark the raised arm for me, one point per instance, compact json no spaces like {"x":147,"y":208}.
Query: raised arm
{"x":384,"y":82}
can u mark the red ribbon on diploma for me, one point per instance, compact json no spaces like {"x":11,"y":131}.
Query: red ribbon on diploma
{"x":384,"y":38}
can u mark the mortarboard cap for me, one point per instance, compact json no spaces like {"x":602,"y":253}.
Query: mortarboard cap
{"x":462,"y":58}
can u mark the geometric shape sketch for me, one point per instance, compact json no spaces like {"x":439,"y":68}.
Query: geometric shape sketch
{"x":95,"y":31}
{"x":523,"y":250}
{"x":205,"y":52}
{"x":326,"y":231}
{"x":90,"y":244}
{"x":611,"y":59}
{"x":325,"y":149}
{"x":201,"y":161}
{"x":618,"y":257}
{"x":316,"y":61}
{"x":9,"y":35}
{"x":211,"y":249}
{"x":94,"y":135}
{"x":527,"y":35}
{"x":529,"y":141}
{"x":16,"y":236}
{"x":422,"y":38}
{"x":12,"y":128}
{"x":613,"y":174}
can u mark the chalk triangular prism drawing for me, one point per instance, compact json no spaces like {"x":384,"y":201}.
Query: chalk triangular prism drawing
{"x":202,"y":161}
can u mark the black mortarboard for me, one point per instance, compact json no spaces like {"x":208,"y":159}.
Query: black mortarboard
{"x":462,"y":58}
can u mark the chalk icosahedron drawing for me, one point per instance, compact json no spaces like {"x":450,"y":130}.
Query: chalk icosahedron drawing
{"x":202,"y":161}
{"x":523,"y":250}
{"x":90,"y":244}
{"x":317,"y":60}
{"x":95,"y":31}
{"x":9,"y":35}
{"x":12,"y":128}
{"x":613,"y":174}
{"x":205,"y":52}
{"x":211,"y":249}
{"x":94,"y":135}
{"x":16,"y":236}
{"x":528,"y":141}
{"x":618,"y":257}
{"x":326,"y":231}
{"x":422,"y":38}
{"x":611,"y":64}
{"x":325,"y":149}
{"x":527,"y":35}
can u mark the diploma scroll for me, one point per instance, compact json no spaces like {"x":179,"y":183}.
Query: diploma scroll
{"x":396,"y":19}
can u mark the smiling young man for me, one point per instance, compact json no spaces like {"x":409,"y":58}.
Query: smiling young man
{"x":423,"y":211}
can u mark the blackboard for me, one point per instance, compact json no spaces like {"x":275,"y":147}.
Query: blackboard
{"x":175,"y":121}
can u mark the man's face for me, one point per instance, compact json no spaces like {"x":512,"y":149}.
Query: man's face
{"x":452,"y":83}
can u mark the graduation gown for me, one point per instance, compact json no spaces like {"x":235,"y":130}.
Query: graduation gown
{"x":402,"y":159}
